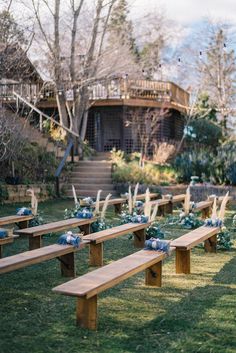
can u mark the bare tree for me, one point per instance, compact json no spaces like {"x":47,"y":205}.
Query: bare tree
{"x":75,"y":67}
{"x":146,"y":123}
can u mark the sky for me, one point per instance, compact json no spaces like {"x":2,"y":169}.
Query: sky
{"x":187,"y":12}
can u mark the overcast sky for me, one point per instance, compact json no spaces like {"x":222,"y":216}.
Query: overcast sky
{"x":188,"y":11}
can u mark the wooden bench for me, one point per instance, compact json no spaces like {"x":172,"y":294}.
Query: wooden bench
{"x":117,"y":203}
{"x":97,"y":239}
{"x":141,"y":197}
{"x":219,"y":199}
{"x":164,"y":206}
{"x":204,"y":207}
{"x":178,"y":198}
{"x":35,"y":233}
{"x":186,"y":242}
{"x":64,"y":253}
{"x":22,"y":221}
{"x":87,"y":287}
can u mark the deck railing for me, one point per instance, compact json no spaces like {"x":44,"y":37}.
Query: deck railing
{"x":117,"y":88}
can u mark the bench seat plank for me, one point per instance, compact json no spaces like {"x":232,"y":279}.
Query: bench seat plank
{"x":108,"y":276}
{"x":114,"y":232}
{"x":14,"y":219}
{"x":202,"y":205}
{"x":55,"y":226}
{"x":28,"y":258}
{"x":178,"y":198}
{"x":152,"y":195}
{"x":195,"y":237}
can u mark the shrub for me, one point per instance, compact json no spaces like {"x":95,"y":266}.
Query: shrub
{"x":149,"y":174}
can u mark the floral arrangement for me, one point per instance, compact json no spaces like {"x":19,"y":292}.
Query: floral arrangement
{"x":217,"y":220}
{"x":154,"y":231}
{"x":87,"y":208}
{"x":157,"y":244}
{"x":3,"y":233}
{"x":137,"y":211}
{"x":69,"y":238}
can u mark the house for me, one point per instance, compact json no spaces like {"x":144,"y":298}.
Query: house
{"x":123,"y":110}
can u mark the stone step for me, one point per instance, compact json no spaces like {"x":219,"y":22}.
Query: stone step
{"x":94,"y":180}
{"x":94,"y":170}
{"x":95,"y":163}
{"x":91,"y":174}
{"x":85,"y":186}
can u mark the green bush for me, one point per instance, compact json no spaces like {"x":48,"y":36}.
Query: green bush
{"x":218,"y":167}
{"x":32,"y":164}
{"x":149,"y":174}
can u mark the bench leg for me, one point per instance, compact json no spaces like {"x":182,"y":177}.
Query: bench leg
{"x":210,"y":244}
{"x":35,"y":242}
{"x":24,"y":224}
{"x":161,"y":210}
{"x":139,"y":238}
{"x":206,"y":213}
{"x":1,"y":251}
{"x":168,"y":209}
{"x":118,"y":208}
{"x":182,"y":261}
{"x":86,"y":312}
{"x":153,"y":275}
{"x":67,"y":264}
{"x":85,"y":228}
{"x":96,"y":254}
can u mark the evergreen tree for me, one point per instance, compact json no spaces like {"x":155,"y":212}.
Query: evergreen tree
{"x":217,"y":68}
{"x":121,"y":28}
{"x":10,"y":32}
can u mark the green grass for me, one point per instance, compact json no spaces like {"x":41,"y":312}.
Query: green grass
{"x":194,"y":313}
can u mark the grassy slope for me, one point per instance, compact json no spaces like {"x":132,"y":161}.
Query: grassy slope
{"x":194,"y":313}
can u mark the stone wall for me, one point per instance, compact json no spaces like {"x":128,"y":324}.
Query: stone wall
{"x":200,"y":192}
{"x":18,"y":193}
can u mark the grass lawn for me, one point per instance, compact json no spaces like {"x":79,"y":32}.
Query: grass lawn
{"x":194,"y":313}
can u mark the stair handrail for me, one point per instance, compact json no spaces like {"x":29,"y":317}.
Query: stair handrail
{"x":42,"y":114}
{"x":62,"y":164}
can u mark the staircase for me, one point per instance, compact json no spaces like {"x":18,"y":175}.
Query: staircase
{"x":90,"y":176}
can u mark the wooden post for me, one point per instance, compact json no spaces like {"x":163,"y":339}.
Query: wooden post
{"x":153,"y":275}
{"x":118,"y":208}
{"x":24,"y":224}
{"x":182,"y":261}
{"x":85,"y":228}
{"x":139,"y":238}
{"x":86,"y":312}
{"x":35,"y":242}
{"x":68,"y":264}
{"x":210,"y":244}
{"x":206,"y":212}
{"x":96,"y":254}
